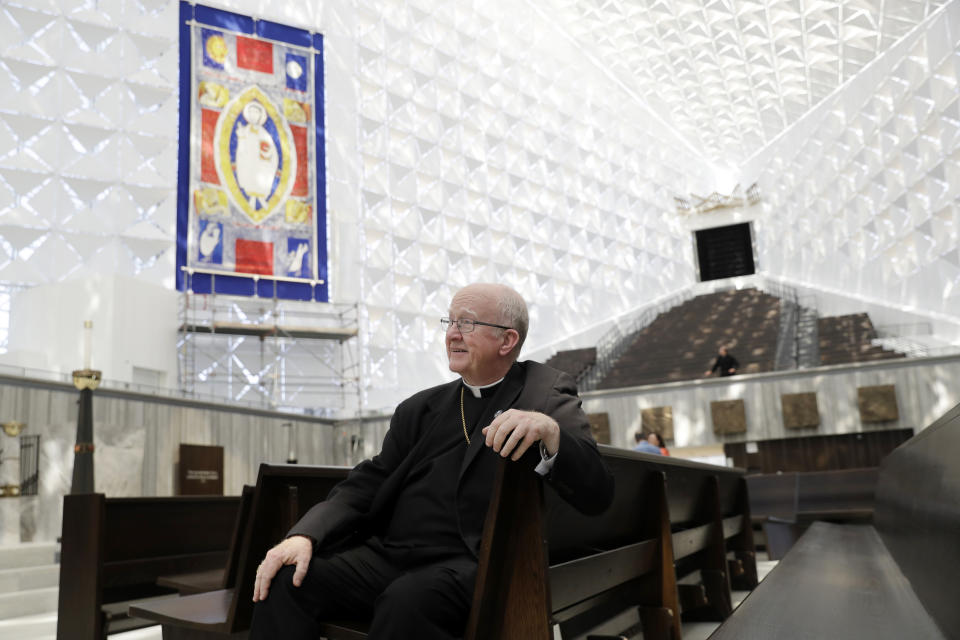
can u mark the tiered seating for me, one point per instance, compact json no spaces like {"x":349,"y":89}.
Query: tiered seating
{"x":682,"y":343}
{"x":574,"y":361}
{"x":845,"y":339}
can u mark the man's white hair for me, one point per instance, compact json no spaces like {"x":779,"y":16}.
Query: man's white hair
{"x":513,"y":313}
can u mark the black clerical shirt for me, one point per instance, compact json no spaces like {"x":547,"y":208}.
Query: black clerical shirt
{"x":424,"y":523}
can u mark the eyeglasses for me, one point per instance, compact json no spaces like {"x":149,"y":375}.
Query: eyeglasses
{"x":466,"y":325}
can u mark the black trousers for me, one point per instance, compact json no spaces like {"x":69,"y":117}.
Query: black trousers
{"x":428,"y":601}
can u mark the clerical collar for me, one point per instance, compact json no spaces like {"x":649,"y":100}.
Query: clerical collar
{"x":478,"y":391}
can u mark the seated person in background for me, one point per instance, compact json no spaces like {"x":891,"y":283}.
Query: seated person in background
{"x":657,"y":440}
{"x":648,"y":444}
{"x":725,"y":362}
{"x":397,"y":541}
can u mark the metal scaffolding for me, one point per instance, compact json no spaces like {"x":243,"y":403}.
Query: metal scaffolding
{"x":270,"y":353}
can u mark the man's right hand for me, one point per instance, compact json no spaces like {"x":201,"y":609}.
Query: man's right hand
{"x":294,"y":550}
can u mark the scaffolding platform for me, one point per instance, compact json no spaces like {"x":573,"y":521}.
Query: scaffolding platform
{"x":283,"y":354}
{"x":270,"y":330}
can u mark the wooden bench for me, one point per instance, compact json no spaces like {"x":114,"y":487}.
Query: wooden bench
{"x":282,"y":494}
{"x":670,"y":519}
{"x":213,"y":579}
{"x":892,"y":579}
{"x":785,"y":504}
{"x":113,"y":550}
{"x":593,"y":567}
{"x":712,"y":536}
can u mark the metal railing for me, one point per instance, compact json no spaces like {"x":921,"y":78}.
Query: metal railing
{"x":900,"y":337}
{"x":29,"y":464}
{"x":43,"y":375}
{"x":897,"y":337}
{"x":903,"y":345}
{"x":904,"y":330}
{"x":794,"y":345}
{"x":613,"y":343}
{"x":787,"y":353}
{"x":797,"y":341}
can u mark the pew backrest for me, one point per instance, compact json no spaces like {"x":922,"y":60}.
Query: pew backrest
{"x":114,"y":549}
{"x":283,"y":494}
{"x":563,"y":567}
{"x":839,"y":494}
{"x":707,"y":507}
{"x":596,"y":562}
{"x":918,"y":515}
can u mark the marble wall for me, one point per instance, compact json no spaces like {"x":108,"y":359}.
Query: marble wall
{"x":925,"y":389}
{"x":137,"y":436}
{"x":137,"y":440}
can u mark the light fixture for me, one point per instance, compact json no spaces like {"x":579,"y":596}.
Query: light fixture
{"x":13,"y":428}
{"x":291,"y":442}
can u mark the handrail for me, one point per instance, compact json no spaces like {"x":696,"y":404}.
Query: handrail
{"x":905,"y":329}
{"x":613,"y":343}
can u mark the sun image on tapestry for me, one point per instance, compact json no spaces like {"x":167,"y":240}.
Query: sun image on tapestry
{"x":251,"y":212}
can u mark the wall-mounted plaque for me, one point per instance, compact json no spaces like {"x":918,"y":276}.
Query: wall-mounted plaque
{"x":659,"y":419}
{"x":600,"y":427}
{"x":729,"y":416}
{"x":800,"y":410}
{"x":878,"y":403}
{"x":200,"y":471}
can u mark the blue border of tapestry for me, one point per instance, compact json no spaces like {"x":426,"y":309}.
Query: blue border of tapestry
{"x":251,"y":188}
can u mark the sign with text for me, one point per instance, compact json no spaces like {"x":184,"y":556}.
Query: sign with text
{"x":200,"y":470}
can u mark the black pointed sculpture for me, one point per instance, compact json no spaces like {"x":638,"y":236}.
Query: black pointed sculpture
{"x":86,"y":380}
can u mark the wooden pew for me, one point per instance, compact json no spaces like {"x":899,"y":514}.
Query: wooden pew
{"x":712,"y":538}
{"x":282,"y":494}
{"x":592,"y":568}
{"x":114,"y":549}
{"x":892,"y":579}
{"x":843,"y":494}
{"x":221,"y":578}
{"x":785,"y":504}
{"x":669,"y":518}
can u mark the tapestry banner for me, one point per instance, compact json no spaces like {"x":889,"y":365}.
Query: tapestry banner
{"x":251,"y":208}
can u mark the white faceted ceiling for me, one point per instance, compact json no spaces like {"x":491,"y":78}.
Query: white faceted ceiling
{"x":730,"y":75}
{"x":87,"y":138}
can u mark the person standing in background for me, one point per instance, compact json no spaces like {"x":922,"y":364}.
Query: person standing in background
{"x":725,"y":363}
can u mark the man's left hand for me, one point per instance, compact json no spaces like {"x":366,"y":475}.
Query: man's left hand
{"x":513,"y":431}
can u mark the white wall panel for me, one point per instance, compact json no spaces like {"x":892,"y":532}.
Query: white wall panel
{"x":926,"y":388}
{"x":862,"y":196}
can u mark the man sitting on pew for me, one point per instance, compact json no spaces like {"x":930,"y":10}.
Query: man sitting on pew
{"x":397,"y":541}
